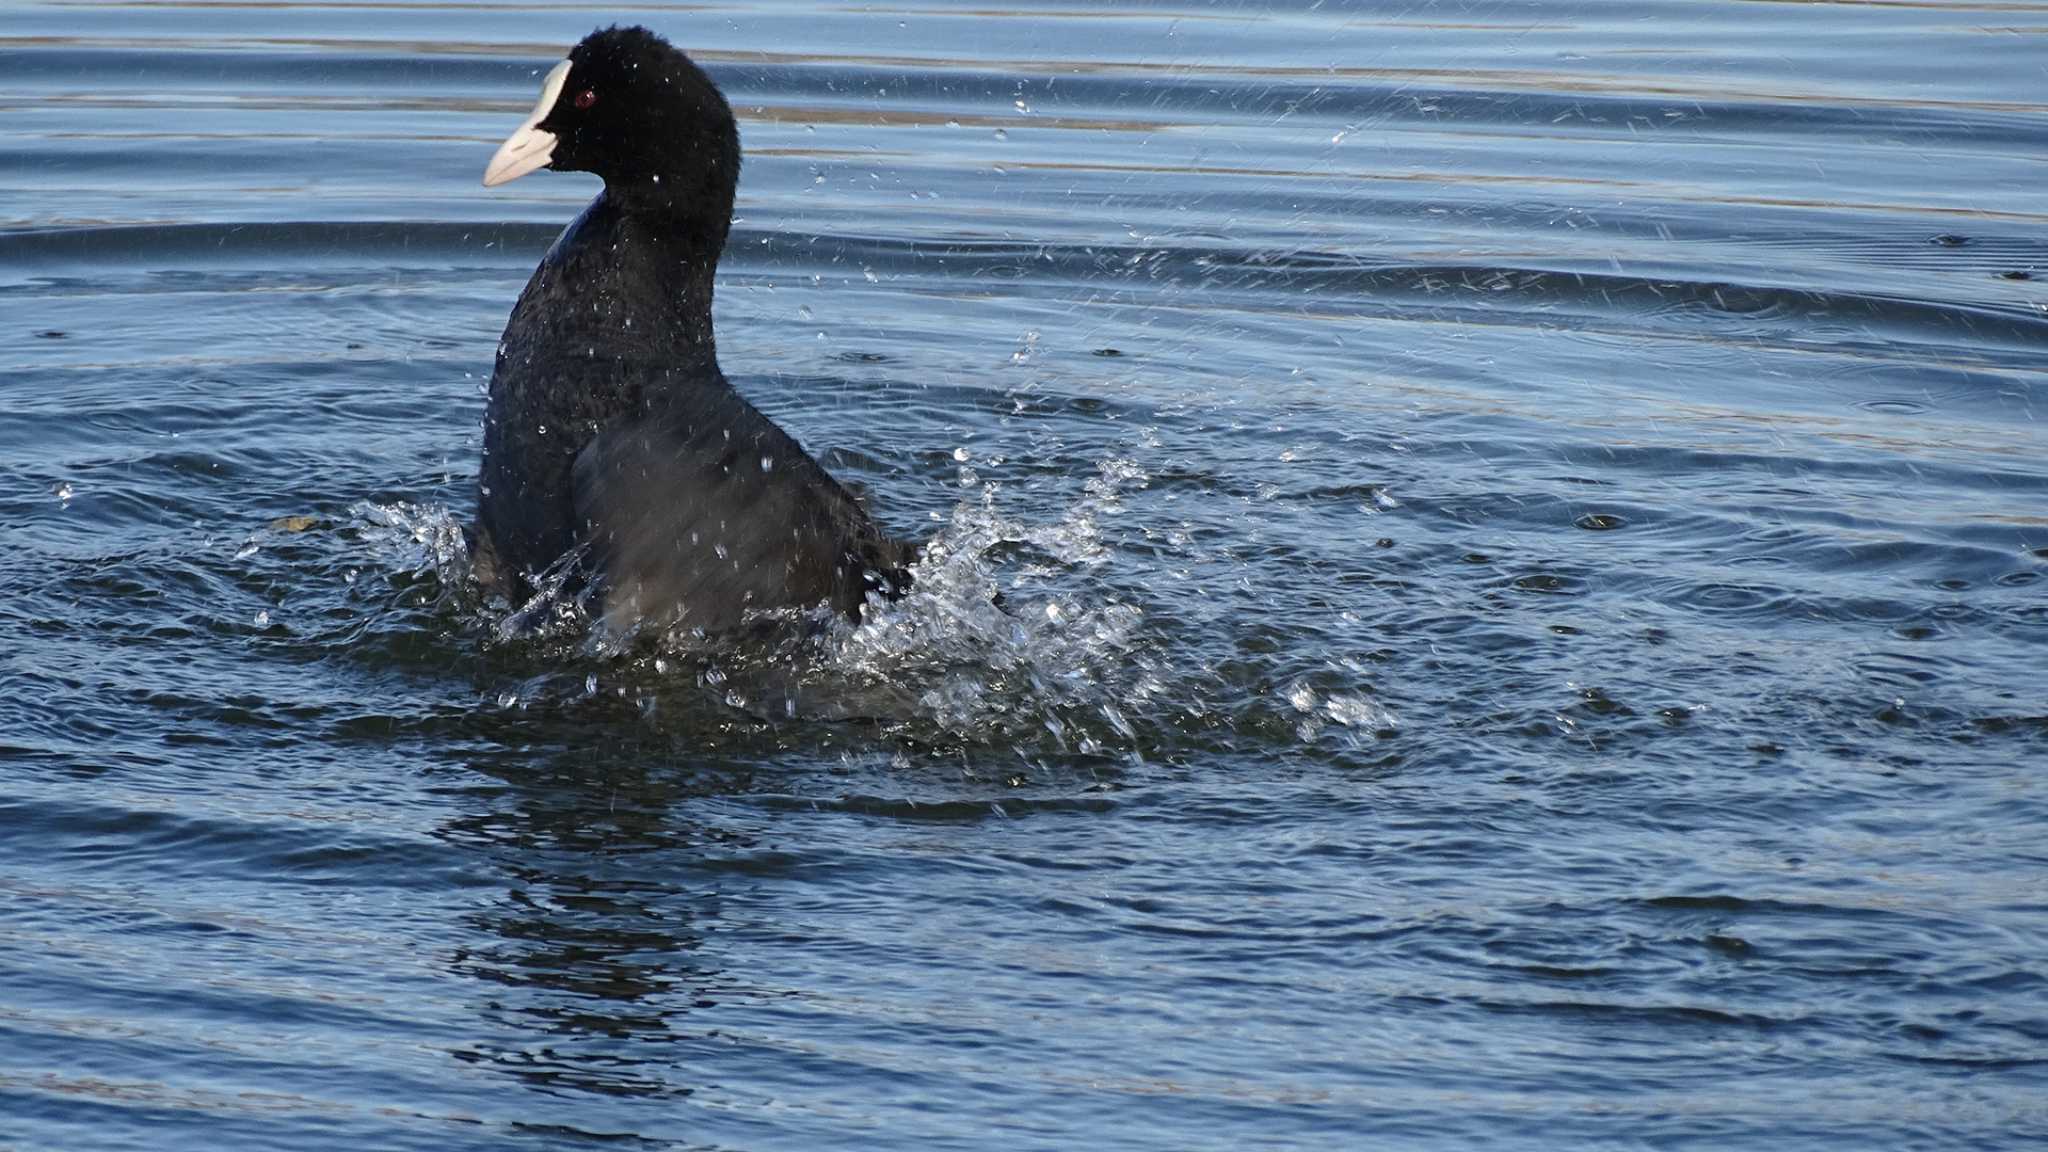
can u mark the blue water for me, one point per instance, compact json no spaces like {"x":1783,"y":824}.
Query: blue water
{"x":1522,"y":530}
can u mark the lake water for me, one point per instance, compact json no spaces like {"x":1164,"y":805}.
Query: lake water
{"x":1521,"y":530}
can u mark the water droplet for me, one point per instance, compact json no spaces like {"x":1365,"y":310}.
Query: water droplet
{"x":64,"y":493}
{"x":263,"y":618}
{"x":1357,"y":712}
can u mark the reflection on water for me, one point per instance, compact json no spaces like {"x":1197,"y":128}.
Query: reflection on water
{"x":1485,"y":578}
{"x":592,"y":940}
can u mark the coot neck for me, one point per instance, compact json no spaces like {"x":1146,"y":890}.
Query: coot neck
{"x":663,"y":255}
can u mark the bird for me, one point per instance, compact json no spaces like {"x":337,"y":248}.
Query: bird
{"x":616,"y":453}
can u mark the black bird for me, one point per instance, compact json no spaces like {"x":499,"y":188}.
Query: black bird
{"x":610,"y":428}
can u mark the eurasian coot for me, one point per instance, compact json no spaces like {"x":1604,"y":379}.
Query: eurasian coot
{"x":610,"y":432}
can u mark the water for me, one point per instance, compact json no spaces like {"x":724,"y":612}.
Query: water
{"x":1520,"y":529}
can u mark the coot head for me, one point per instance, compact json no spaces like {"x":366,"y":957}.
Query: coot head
{"x":631,"y":108}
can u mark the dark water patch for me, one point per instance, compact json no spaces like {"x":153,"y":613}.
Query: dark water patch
{"x":1468,"y":294}
{"x":108,"y":842}
{"x":1763,"y":907}
{"x":1187,"y":91}
{"x":263,"y":245}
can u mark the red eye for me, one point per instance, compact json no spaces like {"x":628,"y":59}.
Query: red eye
{"x":586,"y":98}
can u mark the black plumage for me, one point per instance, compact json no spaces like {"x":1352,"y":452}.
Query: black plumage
{"x":610,"y":428}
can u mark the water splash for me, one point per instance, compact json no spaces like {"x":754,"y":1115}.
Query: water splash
{"x":555,"y":609}
{"x":1006,"y":636}
{"x":431,"y":540}
{"x":1346,"y":710}
{"x":1044,"y":654}
{"x":1022,"y":633}
{"x":416,"y":539}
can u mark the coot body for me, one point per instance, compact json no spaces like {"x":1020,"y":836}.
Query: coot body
{"x":611,"y":438}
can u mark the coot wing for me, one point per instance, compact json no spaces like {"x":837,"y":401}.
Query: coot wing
{"x":700,"y":512}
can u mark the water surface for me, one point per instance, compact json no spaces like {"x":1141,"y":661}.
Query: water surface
{"x":1521,"y":525}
